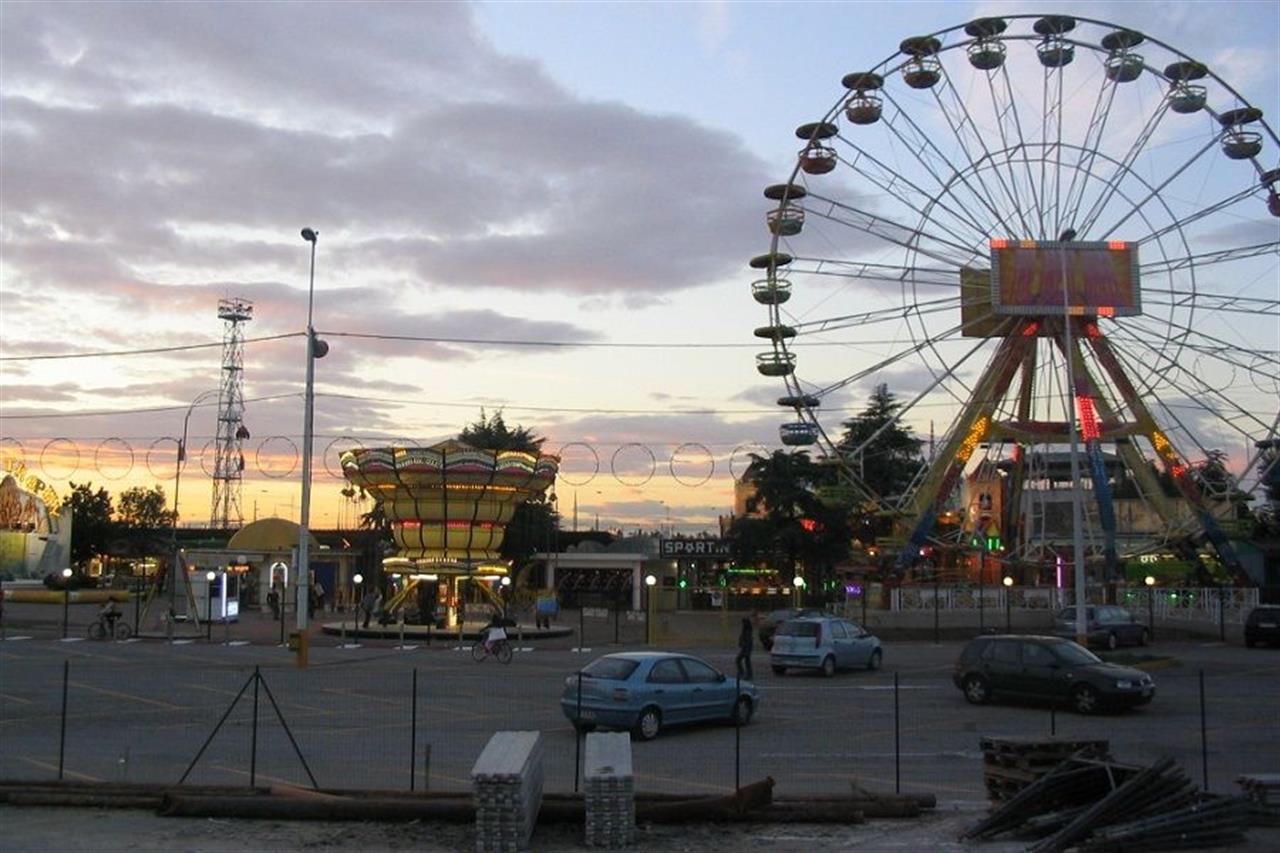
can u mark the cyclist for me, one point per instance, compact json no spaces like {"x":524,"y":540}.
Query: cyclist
{"x":109,"y":614}
{"x":494,"y":632}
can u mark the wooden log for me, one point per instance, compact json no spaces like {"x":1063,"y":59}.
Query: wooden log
{"x":291,"y":808}
{"x":83,"y":799}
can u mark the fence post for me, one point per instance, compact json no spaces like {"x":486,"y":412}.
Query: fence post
{"x":582,"y":630}
{"x":617,"y":618}
{"x":1204,"y":738}
{"x":62,"y":736}
{"x":1222,"y":615}
{"x":413,"y":729}
{"x":253,"y":742}
{"x":426,"y":767}
{"x":577,"y":737}
{"x":897,"y":753}
{"x":737,"y":737}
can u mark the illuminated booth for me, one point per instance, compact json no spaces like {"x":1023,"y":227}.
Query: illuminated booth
{"x":448,"y":506}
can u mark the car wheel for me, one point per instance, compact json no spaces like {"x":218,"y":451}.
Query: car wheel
{"x":873,"y":662}
{"x":1144,"y":637}
{"x":649,"y":724}
{"x":1112,"y":641}
{"x":1085,"y":700}
{"x":779,"y":670}
{"x":976,"y":690}
{"x":828,"y":666}
{"x":742,"y":711}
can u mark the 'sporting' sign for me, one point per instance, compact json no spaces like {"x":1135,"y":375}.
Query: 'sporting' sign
{"x":717,"y":549}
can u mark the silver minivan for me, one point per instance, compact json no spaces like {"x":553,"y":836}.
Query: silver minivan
{"x":824,"y":643}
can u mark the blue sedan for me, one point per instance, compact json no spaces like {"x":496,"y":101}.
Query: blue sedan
{"x":646,"y":691}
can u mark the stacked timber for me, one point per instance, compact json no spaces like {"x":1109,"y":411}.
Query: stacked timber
{"x":609,"y":790}
{"x":1009,"y":764}
{"x":1262,"y":790}
{"x":507,"y":783}
{"x":1095,"y":806}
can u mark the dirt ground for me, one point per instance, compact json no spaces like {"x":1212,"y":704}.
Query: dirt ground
{"x":75,"y":830}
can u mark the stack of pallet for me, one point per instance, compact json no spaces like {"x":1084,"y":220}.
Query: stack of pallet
{"x":610,"y":790}
{"x":1009,"y":764}
{"x":507,"y":779}
{"x":1262,"y":790}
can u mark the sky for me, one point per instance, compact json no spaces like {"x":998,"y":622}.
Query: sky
{"x":539,"y":208}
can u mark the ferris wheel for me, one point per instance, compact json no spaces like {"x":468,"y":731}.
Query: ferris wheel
{"x":1056,"y":240}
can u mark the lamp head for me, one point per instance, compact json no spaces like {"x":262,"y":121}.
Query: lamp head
{"x":66,"y":573}
{"x":310,"y":234}
{"x":210,"y":576}
{"x":1008,"y":581}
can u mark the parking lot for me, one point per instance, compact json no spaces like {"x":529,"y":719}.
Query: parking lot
{"x":142,"y":710}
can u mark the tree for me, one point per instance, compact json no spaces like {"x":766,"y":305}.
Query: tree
{"x":797,"y":528}
{"x":146,"y":509}
{"x":493,"y":434}
{"x":875,"y":444}
{"x":91,"y":525}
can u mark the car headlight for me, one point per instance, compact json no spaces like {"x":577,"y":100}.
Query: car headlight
{"x":1124,"y":684}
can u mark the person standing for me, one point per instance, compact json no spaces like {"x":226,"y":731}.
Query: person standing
{"x":273,"y":601}
{"x":746,"y":642}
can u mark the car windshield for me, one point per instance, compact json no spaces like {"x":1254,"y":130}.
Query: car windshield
{"x":779,"y":616}
{"x":1074,"y":654}
{"x":612,"y":669}
{"x":799,"y":629}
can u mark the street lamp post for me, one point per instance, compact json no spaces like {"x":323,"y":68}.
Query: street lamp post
{"x":66,"y":599}
{"x":177,"y":481}
{"x":649,"y":581}
{"x":798,"y":583}
{"x":316,"y":348}
{"x":210,"y":576}
{"x":1008,"y":618}
{"x":1077,"y":513}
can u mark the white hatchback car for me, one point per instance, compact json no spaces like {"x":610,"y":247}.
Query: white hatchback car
{"x":825,"y":643}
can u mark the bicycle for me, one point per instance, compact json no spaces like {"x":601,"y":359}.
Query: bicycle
{"x":100,"y":630}
{"x":500,"y":649}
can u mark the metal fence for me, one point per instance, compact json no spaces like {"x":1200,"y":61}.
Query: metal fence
{"x":417,"y":720}
{"x":1191,"y":604}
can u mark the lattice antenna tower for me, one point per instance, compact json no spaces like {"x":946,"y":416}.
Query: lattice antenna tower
{"x":228,"y":466}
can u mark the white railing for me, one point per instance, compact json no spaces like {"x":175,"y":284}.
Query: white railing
{"x":1209,"y":604}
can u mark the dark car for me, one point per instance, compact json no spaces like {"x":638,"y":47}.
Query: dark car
{"x":769,"y":624}
{"x":1263,"y":626}
{"x":1109,"y":627}
{"x":1048,"y":668}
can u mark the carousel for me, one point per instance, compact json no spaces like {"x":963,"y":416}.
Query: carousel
{"x":448,"y":506}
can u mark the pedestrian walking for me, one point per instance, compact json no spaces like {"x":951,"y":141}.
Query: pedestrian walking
{"x":746,"y":641}
{"x":273,"y":601}
{"x":367,"y":606}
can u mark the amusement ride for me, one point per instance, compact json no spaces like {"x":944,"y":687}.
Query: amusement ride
{"x":1057,"y":240}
